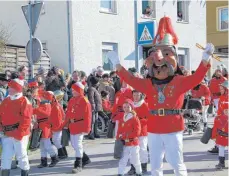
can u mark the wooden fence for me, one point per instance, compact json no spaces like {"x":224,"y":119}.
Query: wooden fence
{"x":15,"y":56}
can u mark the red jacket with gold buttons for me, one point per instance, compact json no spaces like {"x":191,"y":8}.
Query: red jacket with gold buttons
{"x":142,"y":112}
{"x":16,"y":111}
{"x":222,"y":99}
{"x":174,"y":93}
{"x":129,"y":129}
{"x":214,"y":86}
{"x":220,"y":129}
{"x":42,"y":114}
{"x":78,"y":115}
{"x":203,"y":91}
{"x":56,"y":117}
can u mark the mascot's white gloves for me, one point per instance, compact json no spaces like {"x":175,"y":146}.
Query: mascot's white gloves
{"x":113,"y":57}
{"x":209,"y":50}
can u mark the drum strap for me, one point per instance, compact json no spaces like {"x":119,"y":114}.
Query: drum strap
{"x":42,"y":120}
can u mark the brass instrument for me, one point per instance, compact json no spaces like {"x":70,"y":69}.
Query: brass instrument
{"x":213,"y":55}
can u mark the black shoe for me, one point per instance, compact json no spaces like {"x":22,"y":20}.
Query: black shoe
{"x":132,"y":170}
{"x":97,"y":136}
{"x":214,"y":150}
{"x":221,"y":164}
{"x":138,"y":174}
{"x":65,"y":151}
{"x":61,"y":153}
{"x":144,"y":168}
{"x":24,"y":172}
{"x":85,"y":160}
{"x":44,"y":163}
{"x":14,"y":165}
{"x":91,"y":137}
{"x":5,"y":172}
{"x":77,"y":166}
{"x":54,"y":161}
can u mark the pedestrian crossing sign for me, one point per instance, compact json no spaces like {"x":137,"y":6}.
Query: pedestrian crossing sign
{"x":146,"y":33}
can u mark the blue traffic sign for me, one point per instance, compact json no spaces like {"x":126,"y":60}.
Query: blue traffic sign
{"x":146,"y":32}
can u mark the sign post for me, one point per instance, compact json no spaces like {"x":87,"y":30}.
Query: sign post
{"x":32,"y":14}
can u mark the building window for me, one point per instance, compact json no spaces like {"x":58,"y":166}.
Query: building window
{"x":182,"y":11}
{"x":106,"y":47}
{"x":183,"y":57}
{"x":223,"y":19}
{"x":108,"y":6}
{"x":148,"y":9}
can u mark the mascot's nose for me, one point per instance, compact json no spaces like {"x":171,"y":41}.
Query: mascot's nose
{"x":158,"y":56}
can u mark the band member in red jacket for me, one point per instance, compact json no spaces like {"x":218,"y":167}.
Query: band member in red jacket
{"x":201,"y":91}
{"x":78,"y":116}
{"x":165,"y":88}
{"x":142,"y":111}
{"x":220,"y":133}
{"x":15,"y":118}
{"x":124,"y":93}
{"x":129,"y":132}
{"x":42,"y":113}
{"x":56,"y":120}
{"x":222,"y":99}
{"x":215,"y":84}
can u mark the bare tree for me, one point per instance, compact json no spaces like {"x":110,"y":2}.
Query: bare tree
{"x":4,"y":38}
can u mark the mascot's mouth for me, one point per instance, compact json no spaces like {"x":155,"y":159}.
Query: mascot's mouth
{"x":160,"y":68}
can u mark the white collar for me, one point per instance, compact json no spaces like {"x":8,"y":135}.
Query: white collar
{"x":138,"y":104}
{"x":127,"y":117}
{"x":15,"y":96}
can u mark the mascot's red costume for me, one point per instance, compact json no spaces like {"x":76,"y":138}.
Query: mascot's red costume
{"x":165,"y":88}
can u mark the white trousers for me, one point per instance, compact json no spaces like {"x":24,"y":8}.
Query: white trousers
{"x":130,"y":153}
{"x":216,"y":103}
{"x":56,"y":138}
{"x":221,"y":150}
{"x":143,"y":149}
{"x":46,"y":148}
{"x":77,"y":144}
{"x":171,"y":145}
{"x":11,"y":146}
{"x":205,"y":113}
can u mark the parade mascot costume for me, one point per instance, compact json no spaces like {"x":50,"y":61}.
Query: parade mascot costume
{"x":165,"y":88}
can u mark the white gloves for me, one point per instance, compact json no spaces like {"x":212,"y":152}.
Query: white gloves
{"x":209,"y":50}
{"x":113,"y":57}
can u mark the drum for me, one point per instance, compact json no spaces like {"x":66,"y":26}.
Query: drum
{"x":35,"y":139}
{"x":111,"y":129}
{"x":65,"y":137}
{"x":206,"y":136}
{"x":118,"y":149}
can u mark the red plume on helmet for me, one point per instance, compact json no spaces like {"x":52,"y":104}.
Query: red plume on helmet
{"x":165,"y":27}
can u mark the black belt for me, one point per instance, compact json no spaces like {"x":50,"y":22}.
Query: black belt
{"x":163,"y":112}
{"x":10,"y":127}
{"x":74,"y":120}
{"x":42,"y":120}
{"x":222,"y":133}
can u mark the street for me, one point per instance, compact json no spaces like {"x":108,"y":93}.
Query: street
{"x":197,"y":160}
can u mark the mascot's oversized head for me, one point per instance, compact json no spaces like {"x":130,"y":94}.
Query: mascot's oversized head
{"x":162,"y":57}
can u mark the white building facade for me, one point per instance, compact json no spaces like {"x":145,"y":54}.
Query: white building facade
{"x":78,"y":34}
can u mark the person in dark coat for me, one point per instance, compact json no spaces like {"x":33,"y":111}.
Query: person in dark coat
{"x":96,"y":102}
{"x":54,"y":80}
{"x":116,"y":81}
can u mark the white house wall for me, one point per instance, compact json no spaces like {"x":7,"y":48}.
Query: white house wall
{"x":188,"y":33}
{"x":52,"y":28}
{"x":91,"y":28}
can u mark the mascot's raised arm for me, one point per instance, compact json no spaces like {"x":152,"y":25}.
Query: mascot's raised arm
{"x":165,"y":89}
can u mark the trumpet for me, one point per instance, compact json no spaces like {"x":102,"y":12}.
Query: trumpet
{"x":213,"y":55}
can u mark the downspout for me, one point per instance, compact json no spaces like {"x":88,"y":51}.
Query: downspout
{"x":69,"y":38}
